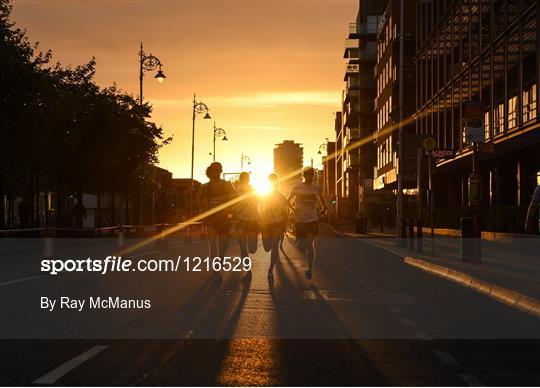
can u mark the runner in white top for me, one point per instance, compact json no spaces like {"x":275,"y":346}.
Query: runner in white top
{"x":306,"y":197}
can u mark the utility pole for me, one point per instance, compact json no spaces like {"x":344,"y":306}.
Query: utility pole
{"x":399,"y":197}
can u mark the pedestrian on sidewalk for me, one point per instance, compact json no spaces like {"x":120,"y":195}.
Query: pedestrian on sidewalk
{"x":307,"y":196}
{"x":532,"y":212}
{"x":247,"y":218}
{"x":273,"y":221}
{"x":213,"y":199}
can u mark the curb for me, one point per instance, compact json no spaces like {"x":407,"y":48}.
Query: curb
{"x":511,"y":298}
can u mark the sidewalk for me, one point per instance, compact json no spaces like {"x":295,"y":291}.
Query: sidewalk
{"x":509,"y":272}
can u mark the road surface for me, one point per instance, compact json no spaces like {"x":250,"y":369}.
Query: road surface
{"x":364,"y":318}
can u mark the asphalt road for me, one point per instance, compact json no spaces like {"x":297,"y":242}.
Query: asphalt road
{"x":365,"y":318}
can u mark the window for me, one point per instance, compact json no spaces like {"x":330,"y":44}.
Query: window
{"x":512,"y":114}
{"x":498,"y":119}
{"x":529,"y":103}
{"x":486,"y":125}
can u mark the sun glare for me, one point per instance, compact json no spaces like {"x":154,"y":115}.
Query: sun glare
{"x":262,"y":186}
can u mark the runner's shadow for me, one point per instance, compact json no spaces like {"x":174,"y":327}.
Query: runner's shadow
{"x":314,"y":345}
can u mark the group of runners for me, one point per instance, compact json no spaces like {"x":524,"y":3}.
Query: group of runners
{"x":224,"y":205}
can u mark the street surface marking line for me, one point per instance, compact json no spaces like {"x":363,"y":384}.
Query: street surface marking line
{"x":407,"y":321}
{"x":446,"y":357}
{"x":471,"y":380}
{"x":21,"y":280}
{"x":54,"y":375}
{"x":422,"y":336}
{"x":394,"y":310}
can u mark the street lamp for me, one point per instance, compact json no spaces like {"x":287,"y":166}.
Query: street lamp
{"x":323,"y":147}
{"x":219,"y":133}
{"x":149,"y":63}
{"x":198,"y":108}
{"x":246,"y":159}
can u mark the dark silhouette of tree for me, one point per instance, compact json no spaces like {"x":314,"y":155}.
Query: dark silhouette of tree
{"x":63,"y":133}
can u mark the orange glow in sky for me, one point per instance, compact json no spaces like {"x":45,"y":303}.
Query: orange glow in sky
{"x":268,"y":70}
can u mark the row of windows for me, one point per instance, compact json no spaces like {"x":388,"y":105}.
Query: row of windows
{"x":388,"y":74}
{"x":383,"y":115}
{"x":528,"y":111}
{"x":384,"y":153}
{"x":390,"y":33}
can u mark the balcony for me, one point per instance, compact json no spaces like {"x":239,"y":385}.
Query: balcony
{"x":360,"y":54}
{"x":362,"y":28}
{"x":352,"y":68}
{"x":352,"y":43}
{"x":359,"y":81}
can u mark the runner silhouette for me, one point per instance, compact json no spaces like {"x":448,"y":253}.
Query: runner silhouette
{"x":306,"y":215}
{"x":273,"y":221}
{"x":210,"y":196}
{"x":247,"y":218}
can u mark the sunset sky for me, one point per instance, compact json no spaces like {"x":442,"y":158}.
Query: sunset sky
{"x":268,"y":70}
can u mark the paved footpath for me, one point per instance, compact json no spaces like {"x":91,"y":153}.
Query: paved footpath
{"x":365,"y":318}
{"x":509,"y":271}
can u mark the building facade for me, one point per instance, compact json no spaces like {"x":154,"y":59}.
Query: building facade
{"x":390,"y":110}
{"x":356,"y":153}
{"x":328,"y":181}
{"x":288,"y":163}
{"x":484,"y":51}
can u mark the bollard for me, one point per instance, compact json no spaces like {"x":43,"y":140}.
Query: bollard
{"x":470,"y":242}
{"x":411,"y":234}
{"x":48,"y":249}
{"x":188,"y":234}
{"x":403,"y":228}
{"x":120,"y":237}
{"x":419,"y":237}
{"x":162,"y":238}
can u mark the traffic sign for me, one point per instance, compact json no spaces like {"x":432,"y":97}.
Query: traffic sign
{"x":429,"y":143}
{"x":473,"y":115}
{"x":486,"y":148}
{"x":440,"y":153}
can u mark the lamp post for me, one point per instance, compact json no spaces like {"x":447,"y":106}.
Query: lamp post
{"x":323,"y":148}
{"x":148,"y":63}
{"x":246,"y":159}
{"x":198,"y":108}
{"x":219,"y":133}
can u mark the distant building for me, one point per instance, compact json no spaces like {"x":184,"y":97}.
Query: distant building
{"x":388,"y":105}
{"x":288,"y":163}
{"x":356,"y":152}
{"x":178,"y":194}
{"x":328,"y":179}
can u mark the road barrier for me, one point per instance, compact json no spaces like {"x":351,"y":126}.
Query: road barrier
{"x":49,"y":234}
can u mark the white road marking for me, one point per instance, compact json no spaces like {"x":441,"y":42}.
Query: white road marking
{"x":407,"y":321}
{"x":471,"y":380}
{"x":20,"y":280}
{"x":422,"y":336}
{"x":54,"y":375}
{"x":446,"y":357}
{"x":383,"y":247}
{"x":394,"y":310}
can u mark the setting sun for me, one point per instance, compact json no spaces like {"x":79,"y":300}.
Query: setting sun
{"x":261,"y":185}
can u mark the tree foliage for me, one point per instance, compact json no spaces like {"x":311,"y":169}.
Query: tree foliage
{"x":58,"y":124}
